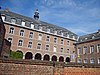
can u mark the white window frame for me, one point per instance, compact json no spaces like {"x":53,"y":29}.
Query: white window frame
{"x":62,"y":41}
{"x":21,"y":33}
{"x":91,"y":49}
{"x":98,"y":60}
{"x":85,"y":50}
{"x":47,"y":48}
{"x":3,"y":18}
{"x":79,"y":61}
{"x":39,"y":45}
{"x":13,"y":21}
{"x":98,"y":48}
{"x":39,"y":37}
{"x":20,"y":43}
{"x":61,"y":49}
{"x":55,"y":39}
{"x":23,"y":23}
{"x":54,"y":49}
{"x":79,"y":51}
{"x":10,"y":40}
{"x":92,"y":61}
{"x":48,"y":39}
{"x":11,"y":31}
{"x":31,"y":35}
{"x":85,"y":61}
{"x":48,"y":30}
{"x":30,"y":44}
{"x":68,"y":51}
{"x":32,"y":26}
{"x":68,"y":42}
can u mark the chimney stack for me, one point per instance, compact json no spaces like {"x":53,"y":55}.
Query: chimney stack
{"x":36,"y":14}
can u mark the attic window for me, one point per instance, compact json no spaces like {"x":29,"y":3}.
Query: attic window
{"x":32,"y":26}
{"x":67,"y":34}
{"x":85,"y":38}
{"x":13,"y":20}
{"x":93,"y":37}
{"x":55,"y":32}
{"x":48,"y":30}
{"x":3,"y":18}
{"x":23,"y":23}
{"x":40,"y":28}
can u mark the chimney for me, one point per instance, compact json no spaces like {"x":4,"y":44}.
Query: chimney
{"x":36,"y":14}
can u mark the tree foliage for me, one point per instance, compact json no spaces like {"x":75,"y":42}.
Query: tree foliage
{"x":16,"y":55}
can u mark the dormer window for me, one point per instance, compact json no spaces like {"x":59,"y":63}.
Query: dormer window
{"x":61,"y":33}
{"x":32,"y":26}
{"x":3,"y":18}
{"x":73,"y":37}
{"x":67,"y":34}
{"x":23,"y":23}
{"x":93,"y":37}
{"x":55,"y":32}
{"x":40,"y":28}
{"x":48,"y":30}
{"x":13,"y":20}
{"x":85,"y":38}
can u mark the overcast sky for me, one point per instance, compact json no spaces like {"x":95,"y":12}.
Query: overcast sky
{"x":79,"y":16}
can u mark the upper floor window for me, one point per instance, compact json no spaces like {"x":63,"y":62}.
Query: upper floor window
{"x":48,"y":30}
{"x":31,"y":35}
{"x":91,"y":49}
{"x":48,"y":38}
{"x":85,"y":61}
{"x":23,"y":23}
{"x":55,"y":40}
{"x":30,"y":45}
{"x":10,"y":40}
{"x":62,"y":41}
{"x":85,"y":50}
{"x":32,"y":26}
{"x":68,"y":43}
{"x":21,"y":32}
{"x":39,"y":46}
{"x":61,"y":49}
{"x":11,"y":30}
{"x":98,"y":48}
{"x":54,"y":49}
{"x":92,"y":61}
{"x":68,"y":51}
{"x":13,"y":20}
{"x":47,"y":47}
{"x":20,"y":43}
{"x":79,"y":51}
{"x":98,"y":60}
{"x":3,"y":18}
{"x":40,"y":37}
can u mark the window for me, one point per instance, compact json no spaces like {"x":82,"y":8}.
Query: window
{"x":10,"y":40}
{"x":39,"y":46}
{"x":68,"y":43}
{"x":23,"y":23}
{"x":61,"y":33}
{"x":54,"y":49}
{"x":21,"y":32}
{"x":32,"y":26}
{"x":85,"y":60}
{"x":30,"y":45}
{"x":13,"y":21}
{"x":55,"y":32}
{"x":92,"y":61}
{"x":3,"y":18}
{"x":55,"y":40}
{"x":11,"y":30}
{"x":61,"y":49}
{"x":98,"y":48}
{"x":20,"y":43}
{"x":31,"y":35}
{"x":40,"y":37}
{"x":79,"y":61}
{"x":40,"y":28}
{"x":47,"y":47}
{"x":91,"y":49}
{"x":98,"y":60}
{"x":68,"y":51}
{"x":67,"y":34}
{"x":79,"y":51}
{"x":62,"y":41}
{"x":48,"y":38}
{"x":48,"y":30}
{"x":85,"y":50}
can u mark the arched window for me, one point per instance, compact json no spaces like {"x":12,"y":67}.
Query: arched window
{"x":67,"y":59}
{"x":54,"y":58}
{"x":38,"y":56}
{"x":46,"y":57}
{"x":28,"y":55}
{"x":61,"y":59}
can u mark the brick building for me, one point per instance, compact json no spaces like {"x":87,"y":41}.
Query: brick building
{"x":88,"y":48}
{"x":38,"y":40}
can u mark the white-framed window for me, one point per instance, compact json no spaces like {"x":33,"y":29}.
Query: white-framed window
{"x":40,"y":37}
{"x":85,"y":50}
{"x":98,"y":60}
{"x":79,"y":51}
{"x":61,"y":33}
{"x":54,"y":49}
{"x":21,"y":32}
{"x":79,"y":61}
{"x":91,"y":49}
{"x":62,"y":41}
{"x":68,"y":51}
{"x":61,"y":49}
{"x":3,"y":18}
{"x":73,"y":37}
{"x":47,"y":38}
{"x":55,"y":40}
{"x":48,"y":30}
{"x":31,"y":35}
{"x":11,"y":30}
{"x":10,"y":39}
{"x":39,"y":46}
{"x":23,"y":23}
{"x":92,"y":61}
{"x":55,"y":32}
{"x":47,"y":47}
{"x":85,"y":61}
{"x":67,"y":34}
{"x":32,"y":26}
{"x":20,"y":43}
{"x":13,"y":20}
{"x":40,"y":28}
{"x":68,"y":42}
{"x":98,"y":48}
{"x":30,"y":45}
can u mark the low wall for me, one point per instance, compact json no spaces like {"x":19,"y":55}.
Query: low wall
{"x":30,"y":67}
